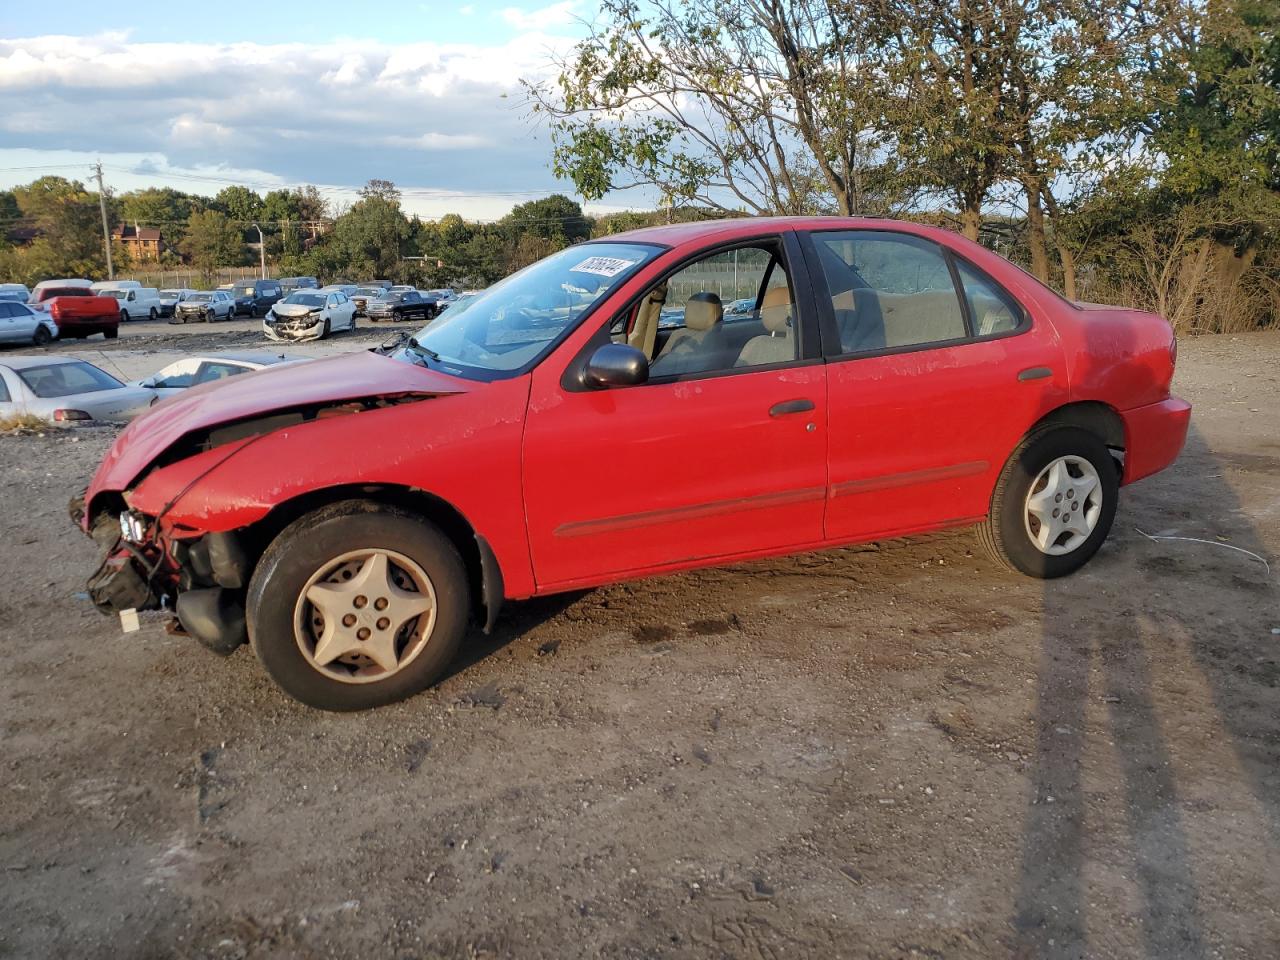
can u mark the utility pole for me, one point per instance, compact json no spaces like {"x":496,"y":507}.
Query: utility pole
{"x":106,"y":231}
{"x":262,"y":250}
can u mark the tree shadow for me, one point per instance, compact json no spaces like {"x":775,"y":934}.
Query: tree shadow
{"x":1107,"y":666}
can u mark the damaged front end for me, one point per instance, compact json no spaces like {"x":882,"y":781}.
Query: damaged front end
{"x":201,"y":578}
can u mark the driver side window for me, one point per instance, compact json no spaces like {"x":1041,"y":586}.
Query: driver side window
{"x":728,"y":310}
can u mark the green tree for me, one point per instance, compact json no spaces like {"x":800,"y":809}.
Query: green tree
{"x":69,"y":228}
{"x":732,"y":104}
{"x":366,"y":240}
{"x":212,"y":241}
{"x":556,"y":218}
{"x":239,"y":203}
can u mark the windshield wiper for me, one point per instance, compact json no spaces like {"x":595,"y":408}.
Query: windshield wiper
{"x":418,"y":348}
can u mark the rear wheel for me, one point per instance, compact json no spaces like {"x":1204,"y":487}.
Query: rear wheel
{"x":111,"y":333}
{"x":357,"y":605}
{"x":1054,"y":503}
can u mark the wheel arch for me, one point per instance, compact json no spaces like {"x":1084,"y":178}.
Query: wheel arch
{"x":1099,"y":418}
{"x":484,"y":573}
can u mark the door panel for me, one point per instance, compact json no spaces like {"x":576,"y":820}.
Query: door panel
{"x":636,"y":478}
{"x":918,"y":439}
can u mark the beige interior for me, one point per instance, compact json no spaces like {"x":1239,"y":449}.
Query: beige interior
{"x":644,"y":334}
{"x":778,"y":345}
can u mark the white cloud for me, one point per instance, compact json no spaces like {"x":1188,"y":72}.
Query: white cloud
{"x":448,"y":116}
{"x":558,"y":14}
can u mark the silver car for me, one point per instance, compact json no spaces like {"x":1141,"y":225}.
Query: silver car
{"x":64,"y":390}
{"x":20,"y":324}
{"x":193,"y":371}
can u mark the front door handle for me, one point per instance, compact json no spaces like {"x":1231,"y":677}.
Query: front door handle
{"x":790,"y":406}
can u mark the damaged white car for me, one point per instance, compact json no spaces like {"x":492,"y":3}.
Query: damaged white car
{"x":309,"y":315}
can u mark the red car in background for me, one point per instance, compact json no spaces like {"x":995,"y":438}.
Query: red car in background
{"x":79,"y":312}
{"x":600,"y":416}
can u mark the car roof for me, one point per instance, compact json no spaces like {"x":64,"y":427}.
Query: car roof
{"x":246,"y":356}
{"x":676,"y":234}
{"x":23,"y":363}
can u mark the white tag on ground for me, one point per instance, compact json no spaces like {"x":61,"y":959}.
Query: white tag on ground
{"x":129,"y":620}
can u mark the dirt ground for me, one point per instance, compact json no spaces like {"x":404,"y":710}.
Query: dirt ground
{"x":889,"y":751}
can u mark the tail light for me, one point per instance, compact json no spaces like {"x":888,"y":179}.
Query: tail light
{"x":62,"y":416}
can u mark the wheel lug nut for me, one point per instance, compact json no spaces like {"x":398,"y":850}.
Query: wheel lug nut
{"x":383,"y":623}
{"x":1057,"y":498}
{"x":360,"y":601}
{"x":380,"y":603}
{"x":363,"y":633}
{"x":349,"y":620}
{"x":1070,"y":494}
{"x":1056,"y":511}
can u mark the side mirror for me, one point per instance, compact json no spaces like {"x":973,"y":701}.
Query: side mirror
{"x":616,"y":365}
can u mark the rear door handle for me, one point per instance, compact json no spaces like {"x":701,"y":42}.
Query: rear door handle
{"x":790,"y":406}
{"x":1035,"y":373}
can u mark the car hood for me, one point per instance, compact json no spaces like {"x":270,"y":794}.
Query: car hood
{"x":274,"y":390}
{"x":292,"y":310}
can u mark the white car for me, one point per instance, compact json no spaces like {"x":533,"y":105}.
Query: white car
{"x":66,"y":390}
{"x":136,"y":303}
{"x":20,"y":324}
{"x":309,"y":315}
{"x":15,"y":291}
{"x":193,"y":371}
{"x":205,"y":305}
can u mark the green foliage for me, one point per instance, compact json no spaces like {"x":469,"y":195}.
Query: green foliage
{"x":555,"y":218}
{"x":212,"y":241}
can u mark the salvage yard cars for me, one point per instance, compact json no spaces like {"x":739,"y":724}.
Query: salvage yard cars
{"x":195,"y":371}
{"x":348,"y":517}
{"x":65,"y":390}
{"x":206,"y":306}
{"x":309,"y":315}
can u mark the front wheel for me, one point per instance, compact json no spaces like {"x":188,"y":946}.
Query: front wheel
{"x":153,"y":314}
{"x":111,"y":333}
{"x":1054,"y":503}
{"x":324,"y":331}
{"x":124,"y":316}
{"x":357,"y":605}
{"x":42,"y":336}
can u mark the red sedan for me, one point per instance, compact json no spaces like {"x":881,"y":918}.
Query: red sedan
{"x":668,"y":398}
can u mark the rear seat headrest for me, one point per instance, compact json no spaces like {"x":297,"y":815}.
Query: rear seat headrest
{"x":702,"y":311}
{"x":775,"y":309}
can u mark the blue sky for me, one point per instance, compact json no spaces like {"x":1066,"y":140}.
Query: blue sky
{"x":273,"y":94}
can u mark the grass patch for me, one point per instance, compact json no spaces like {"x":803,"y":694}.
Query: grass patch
{"x":20,"y":424}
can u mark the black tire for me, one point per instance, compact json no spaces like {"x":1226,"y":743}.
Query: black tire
{"x":307,"y":545}
{"x":324,"y":331}
{"x":112,"y":333}
{"x":1005,"y":534}
{"x":42,"y":337}
{"x":153,"y":314}
{"x":124,"y":316}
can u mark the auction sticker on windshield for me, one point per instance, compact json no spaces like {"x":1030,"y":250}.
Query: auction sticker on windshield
{"x":603,"y":266}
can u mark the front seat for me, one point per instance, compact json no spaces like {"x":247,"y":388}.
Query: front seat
{"x":687,"y":350}
{"x":779,"y":344}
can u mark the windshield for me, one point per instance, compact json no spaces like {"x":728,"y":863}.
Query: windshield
{"x":368,"y":291}
{"x":65,"y":379}
{"x":170,"y":294}
{"x":200,"y":298}
{"x":306,"y":299}
{"x":514,"y":323}
{"x":118,"y":294}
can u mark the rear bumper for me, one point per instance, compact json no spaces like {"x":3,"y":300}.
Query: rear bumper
{"x":1154,"y":436}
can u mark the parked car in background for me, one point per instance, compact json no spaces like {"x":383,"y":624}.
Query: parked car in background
{"x":194,"y":371}
{"x":442,"y":295}
{"x":361,"y":296}
{"x":115,"y":285}
{"x":346,"y":289}
{"x":20,"y":324}
{"x":15,"y":291}
{"x":66,"y":390}
{"x":456,"y":306}
{"x":38,"y":291}
{"x":310,"y":315}
{"x":205,"y":306}
{"x":290,"y":284}
{"x":135,"y":303}
{"x":255,"y":297}
{"x":401,"y":288}
{"x":402,"y":305}
{"x":80,"y":316}
{"x":384,"y":284}
{"x":169,"y":299}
